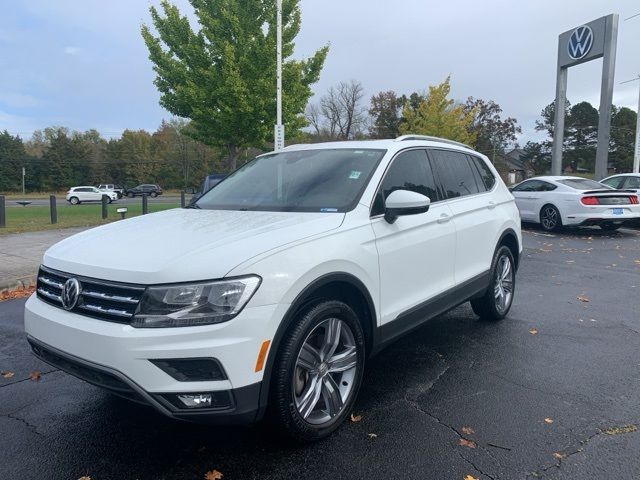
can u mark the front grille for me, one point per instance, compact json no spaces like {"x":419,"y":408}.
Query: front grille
{"x":112,"y":301}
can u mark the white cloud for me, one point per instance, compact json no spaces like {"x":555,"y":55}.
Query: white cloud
{"x":18,"y":100}
{"x":72,"y":50}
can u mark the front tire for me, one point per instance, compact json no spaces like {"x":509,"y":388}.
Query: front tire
{"x":130,"y":194}
{"x":153,"y":194}
{"x":497,"y":300}
{"x":74,"y":201}
{"x":550,"y":218}
{"x":318,"y":371}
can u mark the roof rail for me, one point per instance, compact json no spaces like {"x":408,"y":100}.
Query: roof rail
{"x":402,"y":138}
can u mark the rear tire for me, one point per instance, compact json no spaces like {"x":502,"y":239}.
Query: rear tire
{"x":317,"y":371}
{"x":130,"y":194}
{"x":550,"y":218}
{"x":609,"y":227}
{"x":497,"y":300}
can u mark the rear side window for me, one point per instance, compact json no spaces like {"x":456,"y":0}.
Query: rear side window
{"x":455,"y":173}
{"x":408,"y":171}
{"x":488,"y":180}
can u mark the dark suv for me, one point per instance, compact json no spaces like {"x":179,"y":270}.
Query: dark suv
{"x":149,"y":189}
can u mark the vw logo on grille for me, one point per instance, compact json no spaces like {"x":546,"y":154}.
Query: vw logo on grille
{"x":580,"y":42}
{"x":70,"y":293}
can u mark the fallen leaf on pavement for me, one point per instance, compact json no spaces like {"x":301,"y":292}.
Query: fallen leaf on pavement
{"x":470,"y":477}
{"x":558,"y":455}
{"x":35,"y":376}
{"x":637,"y":262}
{"x":85,"y":477}
{"x":620,"y":430}
{"x":468,"y":430}
{"x":17,"y":293}
{"x":533,"y":331}
{"x":213,"y":475}
{"x":372,"y":435}
{"x":6,"y":374}
{"x":463,"y":442}
{"x":582,"y":298}
{"x":548,"y":420}
{"x":356,"y":418}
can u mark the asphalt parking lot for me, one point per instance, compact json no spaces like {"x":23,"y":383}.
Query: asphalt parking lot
{"x":552,"y":392}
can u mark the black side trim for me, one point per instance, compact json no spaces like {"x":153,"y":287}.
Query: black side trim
{"x":416,"y":316}
{"x":302,"y":298}
{"x":517,"y":256}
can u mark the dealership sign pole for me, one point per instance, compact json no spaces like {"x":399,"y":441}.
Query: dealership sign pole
{"x":279,"y":128}
{"x":596,"y":39}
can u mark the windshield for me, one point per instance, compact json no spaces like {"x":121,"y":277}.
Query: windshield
{"x":584,"y":184}
{"x":326,"y":180}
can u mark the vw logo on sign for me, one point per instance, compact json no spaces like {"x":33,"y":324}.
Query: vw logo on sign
{"x":70,"y":293}
{"x":580,"y":42}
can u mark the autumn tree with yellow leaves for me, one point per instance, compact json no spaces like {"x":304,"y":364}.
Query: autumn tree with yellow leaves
{"x":439,"y":116}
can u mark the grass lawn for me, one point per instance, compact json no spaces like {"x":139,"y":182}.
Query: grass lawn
{"x":35,"y":218}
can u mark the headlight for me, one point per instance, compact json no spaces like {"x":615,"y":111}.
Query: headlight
{"x":192,"y":304}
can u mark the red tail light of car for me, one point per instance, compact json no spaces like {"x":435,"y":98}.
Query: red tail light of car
{"x":633,"y":199}
{"x":590,"y":201}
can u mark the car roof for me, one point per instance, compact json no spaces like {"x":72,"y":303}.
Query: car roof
{"x":84,"y":186}
{"x":623,"y":175}
{"x":556,"y":178}
{"x":391,"y":145}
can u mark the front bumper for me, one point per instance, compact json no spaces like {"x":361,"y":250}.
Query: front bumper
{"x":123,"y":353}
{"x":239,"y":405}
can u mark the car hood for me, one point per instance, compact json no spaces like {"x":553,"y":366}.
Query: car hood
{"x":182,"y":244}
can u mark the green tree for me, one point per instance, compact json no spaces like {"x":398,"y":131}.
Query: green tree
{"x":66,"y":161}
{"x":582,"y":135}
{"x":385,"y":111}
{"x":12,"y":159}
{"x":537,"y":156}
{"x":493,"y":133}
{"x":222,"y":77}
{"x":439,"y":116}
{"x":623,"y":132}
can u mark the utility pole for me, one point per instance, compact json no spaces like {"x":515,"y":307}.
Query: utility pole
{"x":636,"y":152}
{"x":279,"y":128}
{"x":23,"y":174}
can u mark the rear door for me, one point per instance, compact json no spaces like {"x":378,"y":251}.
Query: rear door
{"x":473,"y":208}
{"x":416,"y":253}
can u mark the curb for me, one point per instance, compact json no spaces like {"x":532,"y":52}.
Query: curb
{"x":16,"y":283}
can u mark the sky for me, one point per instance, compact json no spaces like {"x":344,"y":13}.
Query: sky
{"x":82,"y":63}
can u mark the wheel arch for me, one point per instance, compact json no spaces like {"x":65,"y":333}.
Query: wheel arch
{"x":337,"y":286}
{"x":509,"y":239}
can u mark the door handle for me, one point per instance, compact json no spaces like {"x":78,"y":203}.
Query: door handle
{"x":491,"y":205}
{"x":444,"y":218}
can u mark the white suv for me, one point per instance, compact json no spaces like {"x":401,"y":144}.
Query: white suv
{"x":77,"y":195}
{"x":270,"y":292}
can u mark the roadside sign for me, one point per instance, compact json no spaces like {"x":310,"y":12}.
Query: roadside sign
{"x":278,"y":137}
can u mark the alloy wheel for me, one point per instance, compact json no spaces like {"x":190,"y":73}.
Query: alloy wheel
{"x":325,"y":370}
{"x":549,"y":218}
{"x":503,"y":284}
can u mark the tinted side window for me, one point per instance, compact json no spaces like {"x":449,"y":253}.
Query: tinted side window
{"x":409,"y":171}
{"x":632,"y":182}
{"x":487,"y":177}
{"x":528,"y":186}
{"x":614,"y":182}
{"x":546,"y":187}
{"x":455,"y":173}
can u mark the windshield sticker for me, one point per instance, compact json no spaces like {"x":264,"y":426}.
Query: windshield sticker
{"x":355,"y":174}
{"x":328,"y":209}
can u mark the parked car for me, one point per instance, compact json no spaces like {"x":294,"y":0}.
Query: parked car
{"x":557,"y":201}
{"x":278,"y":284}
{"x":110,"y":187}
{"x":149,"y":189}
{"x":77,"y":195}
{"x":207,"y":184}
{"x":626,"y":181}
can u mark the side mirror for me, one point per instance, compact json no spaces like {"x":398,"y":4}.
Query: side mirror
{"x":405,"y":202}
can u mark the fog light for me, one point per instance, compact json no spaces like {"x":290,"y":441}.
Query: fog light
{"x":196,"y":400}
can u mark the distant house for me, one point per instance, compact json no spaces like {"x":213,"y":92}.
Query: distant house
{"x":516,"y":168}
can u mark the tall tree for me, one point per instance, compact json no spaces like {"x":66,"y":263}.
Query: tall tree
{"x":438,"y":115}
{"x":385,"y":111}
{"x":493,"y":133}
{"x":582,"y":135}
{"x":623,"y":131}
{"x":223,"y":75}
{"x":12,"y":159}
